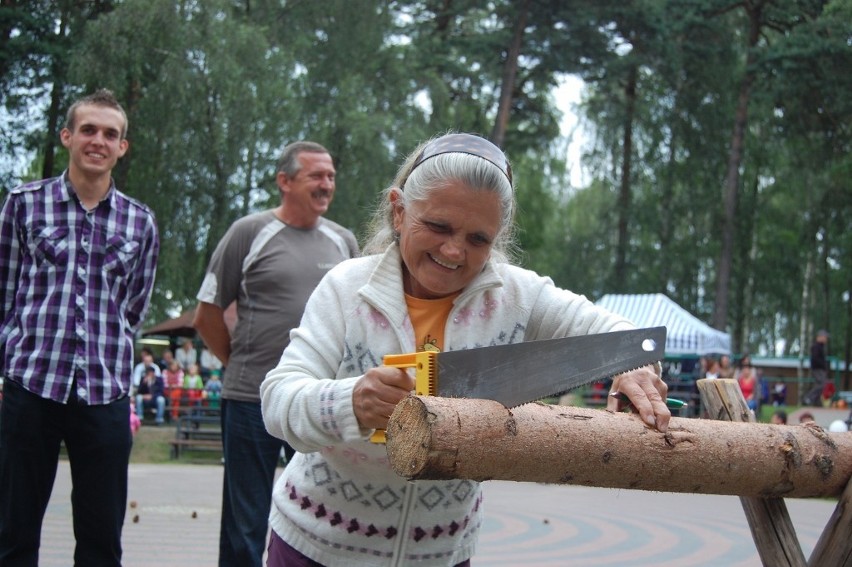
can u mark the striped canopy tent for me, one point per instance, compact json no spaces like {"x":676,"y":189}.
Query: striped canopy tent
{"x":685,"y":333}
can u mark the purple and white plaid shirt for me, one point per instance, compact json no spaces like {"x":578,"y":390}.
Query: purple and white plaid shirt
{"x":74,"y":288}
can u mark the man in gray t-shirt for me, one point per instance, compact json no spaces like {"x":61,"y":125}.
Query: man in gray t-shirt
{"x":268,"y":263}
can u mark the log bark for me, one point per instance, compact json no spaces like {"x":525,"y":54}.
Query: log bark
{"x":442,"y":438}
{"x":768,"y":519}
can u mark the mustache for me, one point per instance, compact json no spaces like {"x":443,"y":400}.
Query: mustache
{"x":322,"y":193}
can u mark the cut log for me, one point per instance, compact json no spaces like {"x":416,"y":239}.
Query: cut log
{"x":442,"y":438}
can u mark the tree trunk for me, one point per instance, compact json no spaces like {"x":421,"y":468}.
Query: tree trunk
{"x":624,"y":193}
{"x":443,"y":438}
{"x":121,"y":172}
{"x":7,"y":26}
{"x":804,"y":327}
{"x":732,"y":176}
{"x":847,"y":381}
{"x":510,"y":70}
{"x":666,"y":226}
{"x":58,"y":68}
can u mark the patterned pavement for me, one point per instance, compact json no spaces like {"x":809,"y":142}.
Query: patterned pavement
{"x":173,"y":521}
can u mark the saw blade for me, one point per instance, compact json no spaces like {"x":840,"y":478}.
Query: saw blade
{"x":524,"y":372}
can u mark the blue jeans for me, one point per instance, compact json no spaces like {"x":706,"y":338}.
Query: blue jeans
{"x":98,"y":442}
{"x":159,"y":402}
{"x":251,"y":455}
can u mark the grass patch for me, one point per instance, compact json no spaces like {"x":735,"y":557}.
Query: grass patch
{"x":151,"y":444}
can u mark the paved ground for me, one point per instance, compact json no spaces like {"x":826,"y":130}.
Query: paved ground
{"x":173,"y":521}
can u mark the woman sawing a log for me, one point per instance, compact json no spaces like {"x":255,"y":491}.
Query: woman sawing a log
{"x":435,"y":276}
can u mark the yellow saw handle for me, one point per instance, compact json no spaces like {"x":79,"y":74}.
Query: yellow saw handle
{"x":425,"y":377}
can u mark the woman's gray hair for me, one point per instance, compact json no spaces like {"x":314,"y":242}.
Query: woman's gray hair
{"x":418,"y":180}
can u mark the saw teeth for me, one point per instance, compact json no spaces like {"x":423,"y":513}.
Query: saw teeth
{"x":433,"y":382}
{"x":580,"y":386}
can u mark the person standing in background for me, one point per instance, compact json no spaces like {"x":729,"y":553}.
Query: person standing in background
{"x":746,"y":377}
{"x":208,"y":363}
{"x":186,"y":354}
{"x":166,"y":359}
{"x":726,"y":370}
{"x":77,"y":266}
{"x":283,"y":252}
{"x":151,"y":394}
{"x":146,"y":360}
{"x":819,"y":369}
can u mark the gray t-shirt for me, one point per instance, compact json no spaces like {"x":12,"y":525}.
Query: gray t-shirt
{"x":270,"y":270}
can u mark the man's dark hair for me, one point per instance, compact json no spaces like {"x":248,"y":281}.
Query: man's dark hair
{"x":101,"y":97}
{"x":288,"y":162}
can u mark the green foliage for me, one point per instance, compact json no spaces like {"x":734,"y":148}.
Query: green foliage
{"x":215,"y":89}
{"x":585,"y":245}
{"x":37,"y":38}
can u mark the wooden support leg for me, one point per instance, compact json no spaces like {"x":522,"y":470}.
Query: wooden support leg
{"x":770,"y":524}
{"x":835,"y":544}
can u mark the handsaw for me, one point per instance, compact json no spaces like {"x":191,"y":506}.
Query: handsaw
{"x":524,"y":372}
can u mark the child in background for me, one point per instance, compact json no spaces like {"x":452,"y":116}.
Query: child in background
{"x":827,"y":396}
{"x":173,"y":378}
{"x":779,"y":417}
{"x":213,"y":389}
{"x":713,"y":369}
{"x":779,"y":394}
{"x":135,"y":422}
{"x":193,"y":385}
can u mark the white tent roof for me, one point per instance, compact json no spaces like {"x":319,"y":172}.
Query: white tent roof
{"x":685,"y":333}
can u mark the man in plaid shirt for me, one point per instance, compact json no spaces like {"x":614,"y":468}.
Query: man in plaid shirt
{"x":77,"y":266}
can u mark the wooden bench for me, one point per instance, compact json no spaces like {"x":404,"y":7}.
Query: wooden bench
{"x":194,"y":444}
{"x":197,"y":431}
